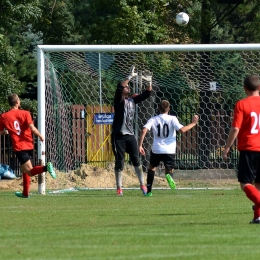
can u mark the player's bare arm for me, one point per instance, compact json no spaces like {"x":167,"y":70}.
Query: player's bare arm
{"x":36,"y":132}
{"x":149,"y":87}
{"x":231,"y":139}
{"x":194,"y":122}
{"x":125,"y":82}
{"x":141,"y":140}
{"x":4,"y":132}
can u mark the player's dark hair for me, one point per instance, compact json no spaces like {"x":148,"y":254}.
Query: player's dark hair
{"x":164,"y":106}
{"x":12,"y":99}
{"x":251,"y":82}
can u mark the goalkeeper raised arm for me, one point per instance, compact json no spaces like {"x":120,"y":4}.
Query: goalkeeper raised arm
{"x":123,"y":139}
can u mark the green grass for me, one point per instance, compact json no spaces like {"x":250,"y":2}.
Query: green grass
{"x":181,"y":224}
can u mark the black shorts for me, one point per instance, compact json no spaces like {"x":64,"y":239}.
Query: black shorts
{"x":167,"y":159}
{"x":24,"y":156}
{"x":122,"y":144}
{"x":249,"y":167}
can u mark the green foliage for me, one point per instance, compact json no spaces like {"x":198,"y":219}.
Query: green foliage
{"x":24,"y":24}
{"x":6,"y":52}
{"x":17,"y":64}
{"x":9,"y":84}
{"x":244,"y":22}
{"x":125,"y":22}
{"x":218,"y":23}
{"x":30,"y":105}
{"x":229,"y":69}
{"x":17,"y":13}
{"x":57,"y":23}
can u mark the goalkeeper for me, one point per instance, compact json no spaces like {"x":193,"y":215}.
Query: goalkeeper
{"x":19,"y":125}
{"x":123,"y":139}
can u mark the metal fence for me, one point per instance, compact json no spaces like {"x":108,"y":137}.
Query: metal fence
{"x":192,"y":152}
{"x":7,"y":155}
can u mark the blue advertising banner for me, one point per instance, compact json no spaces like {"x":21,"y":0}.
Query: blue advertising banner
{"x":103,"y":118}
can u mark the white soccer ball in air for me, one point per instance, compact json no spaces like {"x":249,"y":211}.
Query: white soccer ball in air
{"x":182,"y":19}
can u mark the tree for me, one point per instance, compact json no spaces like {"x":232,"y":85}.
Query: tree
{"x":125,"y":22}
{"x":13,"y":16}
{"x":58,"y":23}
{"x":244,"y":22}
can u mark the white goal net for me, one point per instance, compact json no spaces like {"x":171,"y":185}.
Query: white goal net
{"x":76,"y":87}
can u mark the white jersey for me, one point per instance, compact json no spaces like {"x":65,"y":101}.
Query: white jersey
{"x":164,"y":128}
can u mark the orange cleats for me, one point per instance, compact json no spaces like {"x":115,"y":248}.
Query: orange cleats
{"x":119,"y":192}
{"x":143,"y":189}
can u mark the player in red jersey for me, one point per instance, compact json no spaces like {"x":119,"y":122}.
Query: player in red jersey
{"x":246,"y":128}
{"x":19,"y":125}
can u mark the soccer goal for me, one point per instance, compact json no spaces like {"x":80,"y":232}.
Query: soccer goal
{"x":76,"y":85}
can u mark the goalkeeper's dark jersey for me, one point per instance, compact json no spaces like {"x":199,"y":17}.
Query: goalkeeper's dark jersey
{"x":124,"y":113}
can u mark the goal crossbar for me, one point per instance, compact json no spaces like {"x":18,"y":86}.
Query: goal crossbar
{"x":150,"y":48}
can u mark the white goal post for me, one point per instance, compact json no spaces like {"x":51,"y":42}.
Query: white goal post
{"x":76,"y":85}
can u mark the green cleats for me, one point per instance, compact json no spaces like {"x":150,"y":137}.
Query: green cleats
{"x":51,"y":170}
{"x":20,"y":195}
{"x":170,"y":181}
{"x":149,"y":194}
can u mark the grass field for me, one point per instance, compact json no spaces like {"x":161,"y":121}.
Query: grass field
{"x":181,"y":224}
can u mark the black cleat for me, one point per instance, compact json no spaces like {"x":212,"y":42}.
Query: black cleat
{"x":255,"y":221}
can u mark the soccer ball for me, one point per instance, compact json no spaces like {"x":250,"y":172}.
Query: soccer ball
{"x":182,"y":19}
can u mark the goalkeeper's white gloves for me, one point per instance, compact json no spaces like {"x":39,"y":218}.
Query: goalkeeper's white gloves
{"x":132,"y":72}
{"x":147,"y":75}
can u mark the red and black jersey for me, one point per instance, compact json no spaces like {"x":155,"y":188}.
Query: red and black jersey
{"x":247,"y":119}
{"x":17,"y":123}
